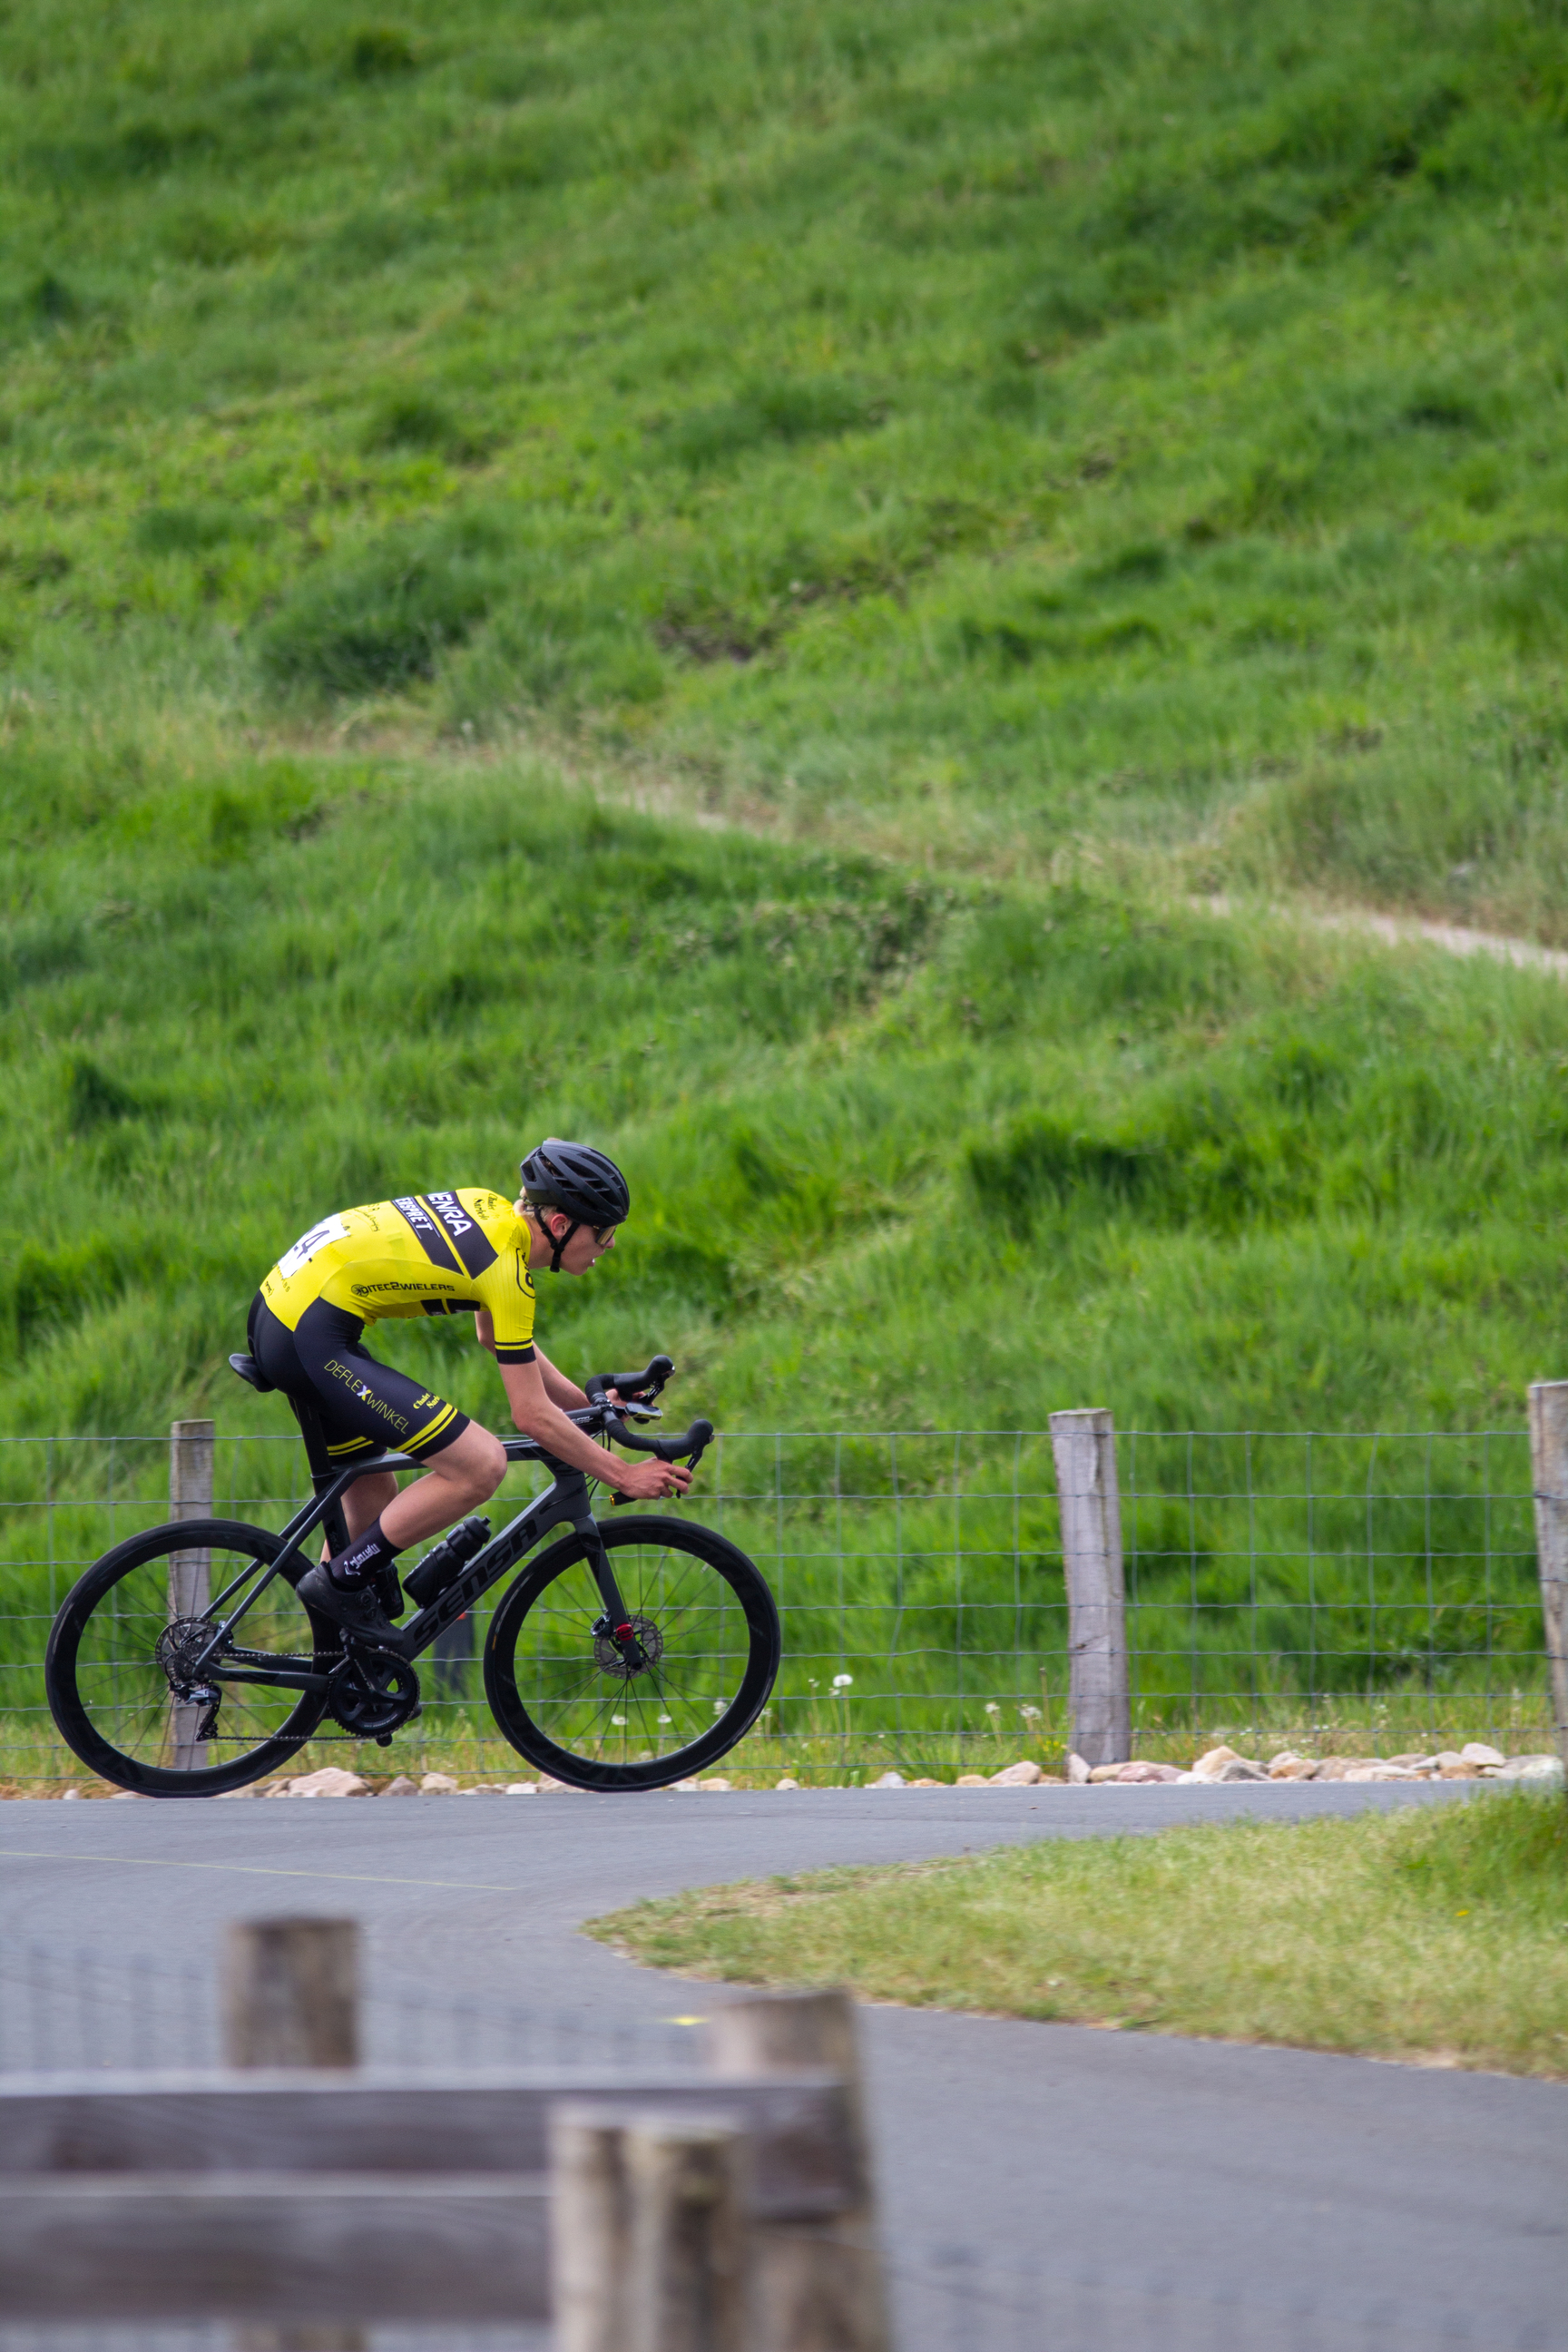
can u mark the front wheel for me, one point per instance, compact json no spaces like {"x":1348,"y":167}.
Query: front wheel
{"x":563,"y":1694}
{"x":113,"y":1668}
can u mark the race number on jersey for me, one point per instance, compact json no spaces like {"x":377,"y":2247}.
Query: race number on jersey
{"x":332,"y":1229}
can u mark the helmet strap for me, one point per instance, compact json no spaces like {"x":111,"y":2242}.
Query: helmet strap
{"x":556,"y":1247}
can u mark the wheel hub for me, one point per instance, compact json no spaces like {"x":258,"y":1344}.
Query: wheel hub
{"x":609,"y":1654}
{"x":179,"y":1649}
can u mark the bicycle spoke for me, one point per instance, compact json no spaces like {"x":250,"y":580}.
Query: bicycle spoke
{"x":699,"y":1646}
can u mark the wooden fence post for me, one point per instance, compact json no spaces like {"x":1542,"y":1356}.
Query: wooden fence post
{"x":291,"y":1998}
{"x":590,"y":2229}
{"x":191,"y":1446}
{"x":689,"y":2281}
{"x":290,"y":1993}
{"x":1549,"y":1478}
{"x":650,"y":2232}
{"x":819,"y":2281}
{"x":1084,"y":1446}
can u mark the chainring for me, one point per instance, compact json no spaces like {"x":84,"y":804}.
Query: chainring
{"x":371,"y":1698}
{"x":609,"y":1661}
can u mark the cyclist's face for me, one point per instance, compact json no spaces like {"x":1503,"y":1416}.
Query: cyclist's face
{"x":585,"y":1247}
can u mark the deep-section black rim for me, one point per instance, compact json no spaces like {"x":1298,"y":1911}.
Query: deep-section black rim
{"x":582,"y":1719}
{"x":109,"y":1697}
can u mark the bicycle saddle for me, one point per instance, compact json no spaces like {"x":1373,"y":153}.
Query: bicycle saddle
{"x":250,"y":1369}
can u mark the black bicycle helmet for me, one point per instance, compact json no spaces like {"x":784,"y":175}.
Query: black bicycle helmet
{"x":586,"y":1183}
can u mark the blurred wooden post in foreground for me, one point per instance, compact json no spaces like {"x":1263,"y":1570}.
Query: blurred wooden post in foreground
{"x":290,"y":1993}
{"x":291,"y":1998}
{"x":1084,"y":1446}
{"x":191,"y":1446}
{"x":1549,"y":1478}
{"x":820,"y":2277}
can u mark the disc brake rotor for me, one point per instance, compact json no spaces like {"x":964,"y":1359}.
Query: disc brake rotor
{"x":609,"y":1661}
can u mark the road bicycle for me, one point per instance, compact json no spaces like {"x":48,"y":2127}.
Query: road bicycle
{"x":630,"y":1654}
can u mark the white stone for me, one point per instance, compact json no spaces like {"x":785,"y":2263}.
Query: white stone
{"x":549,"y":1788}
{"x":1383,"y":1772}
{"x":1098,"y":1773}
{"x":437,"y":1784}
{"x":71,"y":1792}
{"x":1077,"y":1770}
{"x":1476,"y":1751}
{"x":890,"y":1780}
{"x":1022,"y":1775}
{"x":1452,"y":1767}
{"x":972,"y":1780}
{"x":1533,"y":1767}
{"x":1210,"y":1764}
{"x":402,"y":1787}
{"x":332,"y":1781}
{"x":520,"y":1788}
{"x":719,"y":1783}
{"x":1141,"y":1774}
{"x":786,"y":1782}
{"x":1292,"y":1767}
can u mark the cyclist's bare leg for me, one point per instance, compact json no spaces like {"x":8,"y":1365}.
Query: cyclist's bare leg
{"x":364,"y":1503}
{"x":463,"y":1475}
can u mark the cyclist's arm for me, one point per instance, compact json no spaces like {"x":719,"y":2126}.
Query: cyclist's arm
{"x":557,"y":1387}
{"x":537,"y":1417}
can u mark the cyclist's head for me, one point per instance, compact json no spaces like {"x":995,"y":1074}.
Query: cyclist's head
{"x":575,"y":1177}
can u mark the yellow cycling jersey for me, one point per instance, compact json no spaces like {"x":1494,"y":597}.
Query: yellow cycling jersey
{"x":424,"y":1254}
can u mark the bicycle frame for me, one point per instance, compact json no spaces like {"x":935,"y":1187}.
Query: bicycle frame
{"x":564,"y":1502}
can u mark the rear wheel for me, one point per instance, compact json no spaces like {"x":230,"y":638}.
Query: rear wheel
{"x":123,"y":1648}
{"x":562,"y":1692}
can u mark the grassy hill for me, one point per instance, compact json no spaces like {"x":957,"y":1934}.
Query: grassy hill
{"x":996,"y":430}
{"x":1035,"y":461}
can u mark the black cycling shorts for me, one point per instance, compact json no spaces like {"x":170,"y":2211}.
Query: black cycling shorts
{"x":364,"y":1406}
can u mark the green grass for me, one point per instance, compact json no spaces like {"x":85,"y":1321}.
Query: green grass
{"x":1438,"y":1936}
{"x":973,"y":477}
{"x":906,"y":1154}
{"x":999,"y":428}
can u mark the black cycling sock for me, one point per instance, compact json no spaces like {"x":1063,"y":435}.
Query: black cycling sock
{"x":358,"y":1561}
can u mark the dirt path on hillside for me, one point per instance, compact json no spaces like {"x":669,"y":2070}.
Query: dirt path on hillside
{"x":1408,"y":930}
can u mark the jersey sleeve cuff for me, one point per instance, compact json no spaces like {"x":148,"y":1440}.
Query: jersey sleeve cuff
{"x":514,"y":1355}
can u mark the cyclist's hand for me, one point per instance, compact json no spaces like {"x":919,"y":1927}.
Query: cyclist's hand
{"x":650,"y":1482}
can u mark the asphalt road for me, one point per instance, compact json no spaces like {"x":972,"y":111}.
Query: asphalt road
{"x":1079,"y":2188}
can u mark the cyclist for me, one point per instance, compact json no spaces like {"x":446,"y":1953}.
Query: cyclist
{"x":438,"y":1254}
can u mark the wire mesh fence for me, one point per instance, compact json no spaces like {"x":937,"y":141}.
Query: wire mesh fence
{"x":1372,"y":1592}
{"x":966,"y":2298}
{"x":67,"y":2009}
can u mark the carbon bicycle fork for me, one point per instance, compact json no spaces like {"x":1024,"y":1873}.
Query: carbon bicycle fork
{"x":615,"y":1624}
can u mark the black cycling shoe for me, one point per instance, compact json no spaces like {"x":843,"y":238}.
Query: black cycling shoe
{"x":355,"y":1607}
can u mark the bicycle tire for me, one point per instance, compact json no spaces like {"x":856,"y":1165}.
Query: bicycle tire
{"x":110,"y":1698}
{"x":549,"y":1681}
